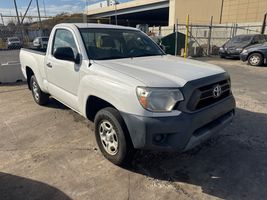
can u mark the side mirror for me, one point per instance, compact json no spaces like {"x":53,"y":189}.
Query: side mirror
{"x":254,"y":42}
{"x":77,"y":59}
{"x":66,"y":53}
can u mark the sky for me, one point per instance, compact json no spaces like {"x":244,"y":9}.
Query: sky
{"x":53,"y":7}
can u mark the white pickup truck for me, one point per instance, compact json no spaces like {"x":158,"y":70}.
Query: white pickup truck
{"x":137,"y":96}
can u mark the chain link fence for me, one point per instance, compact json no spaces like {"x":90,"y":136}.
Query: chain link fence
{"x":15,"y":36}
{"x":204,"y":39}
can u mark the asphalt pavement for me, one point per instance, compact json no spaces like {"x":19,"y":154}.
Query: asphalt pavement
{"x":50,"y":152}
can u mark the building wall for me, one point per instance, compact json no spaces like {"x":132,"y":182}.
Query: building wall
{"x":200,"y":11}
{"x":242,"y":11}
{"x":233,"y":11}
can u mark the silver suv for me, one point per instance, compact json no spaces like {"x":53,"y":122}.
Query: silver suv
{"x":13,"y":43}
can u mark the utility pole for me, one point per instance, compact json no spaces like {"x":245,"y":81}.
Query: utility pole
{"x":16,"y":8}
{"x":44,"y":8}
{"x":19,"y":24}
{"x":264,"y":24}
{"x":2,"y":19}
{"x":39,"y":16}
{"x":116,"y":16}
{"x":26,"y":11}
{"x":221,"y":14}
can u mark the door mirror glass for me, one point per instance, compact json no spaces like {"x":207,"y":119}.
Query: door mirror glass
{"x":64,"y":53}
{"x":78,"y":59}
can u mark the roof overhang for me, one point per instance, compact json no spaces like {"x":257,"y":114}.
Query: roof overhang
{"x":128,"y":8}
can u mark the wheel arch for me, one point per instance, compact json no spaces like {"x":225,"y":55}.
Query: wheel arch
{"x":94,"y":104}
{"x":256,"y":52}
{"x":29,"y":73}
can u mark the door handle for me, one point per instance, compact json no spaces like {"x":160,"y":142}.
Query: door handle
{"x":49,"y":65}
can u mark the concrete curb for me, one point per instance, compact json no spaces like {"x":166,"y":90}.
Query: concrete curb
{"x":11,"y":73}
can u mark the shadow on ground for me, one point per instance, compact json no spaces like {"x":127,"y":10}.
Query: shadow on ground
{"x":19,"y":188}
{"x":53,"y":103}
{"x":231,"y":166}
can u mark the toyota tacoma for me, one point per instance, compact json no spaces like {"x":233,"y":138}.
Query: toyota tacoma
{"x":137,"y":96}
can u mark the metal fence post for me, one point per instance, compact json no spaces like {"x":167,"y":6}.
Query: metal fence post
{"x":209,"y":37}
{"x":176,"y":37}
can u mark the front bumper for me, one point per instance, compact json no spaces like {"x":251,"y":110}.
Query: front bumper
{"x":179,"y":133}
{"x":229,"y":53}
{"x":244,"y":57}
{"x":14,"y":45}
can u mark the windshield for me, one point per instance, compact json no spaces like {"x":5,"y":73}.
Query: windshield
{"x":241,"y":39}
{"x":103,"y":44}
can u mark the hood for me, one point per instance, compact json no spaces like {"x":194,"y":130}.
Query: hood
{"x":162,"y":71}
{"x":257,"y":46}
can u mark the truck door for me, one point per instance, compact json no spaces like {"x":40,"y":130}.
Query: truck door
{"x":63,"y":75}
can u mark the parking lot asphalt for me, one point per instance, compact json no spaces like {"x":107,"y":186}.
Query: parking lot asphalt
{"x":50,"y":152}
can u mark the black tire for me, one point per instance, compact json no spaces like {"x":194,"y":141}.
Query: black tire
{"x":123,"y":154}
{"x":39,"y":96}
{"x":222,"y":56}
{"x":255,"y":59}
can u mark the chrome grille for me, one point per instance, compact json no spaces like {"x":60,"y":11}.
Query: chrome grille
{"x":204,"y":96}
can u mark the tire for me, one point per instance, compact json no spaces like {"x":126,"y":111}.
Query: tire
{"x":116,"y":146}
{"x":222,"y":56}
{"x":255,"y":59}
{"x":39,"y":96}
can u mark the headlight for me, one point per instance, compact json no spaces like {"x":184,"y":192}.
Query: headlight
{"x":221,"y":49}
{"x":245,"y":51}
{"x":158,"y":99}
{"x":239,"y":49}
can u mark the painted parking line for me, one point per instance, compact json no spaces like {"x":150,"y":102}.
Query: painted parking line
{"x":11,"y":63}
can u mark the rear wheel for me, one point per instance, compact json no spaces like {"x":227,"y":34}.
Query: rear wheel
{"x":255,"y":59}
{"x":39,"y":96}
{"x":112,"y":136}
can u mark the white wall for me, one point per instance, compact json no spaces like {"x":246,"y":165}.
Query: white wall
{"x":11,"y":73}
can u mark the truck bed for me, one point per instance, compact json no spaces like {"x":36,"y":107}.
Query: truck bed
{"x":34,"y":59}
{"x":41,"y":51}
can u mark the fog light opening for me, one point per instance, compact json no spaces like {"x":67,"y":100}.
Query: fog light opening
{"x":159,"y":138}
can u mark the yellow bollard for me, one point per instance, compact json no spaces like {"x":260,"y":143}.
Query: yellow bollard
{"x":186,"y":37}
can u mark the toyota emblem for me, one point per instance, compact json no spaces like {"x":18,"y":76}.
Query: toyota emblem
{"x":217,"y":91}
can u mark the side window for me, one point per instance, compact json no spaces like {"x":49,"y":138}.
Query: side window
{"x":64,"y":38}
{"x":262,"y":39}
{"x":256,"y":39}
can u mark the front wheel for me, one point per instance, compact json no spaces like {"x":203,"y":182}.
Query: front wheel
{"x":255,"y":59}
{"x":39,"y":96}
{"x":112,"y":136}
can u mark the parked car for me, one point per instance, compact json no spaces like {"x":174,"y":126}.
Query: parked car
{"x":256,"y":55}
{"x":40,"y":42}
{"x":137,"y":96}
{"x":237,"y":44}
{"x":13,"y":43}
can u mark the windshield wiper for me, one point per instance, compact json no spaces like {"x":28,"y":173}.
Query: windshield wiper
{"x":144,"y":55}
